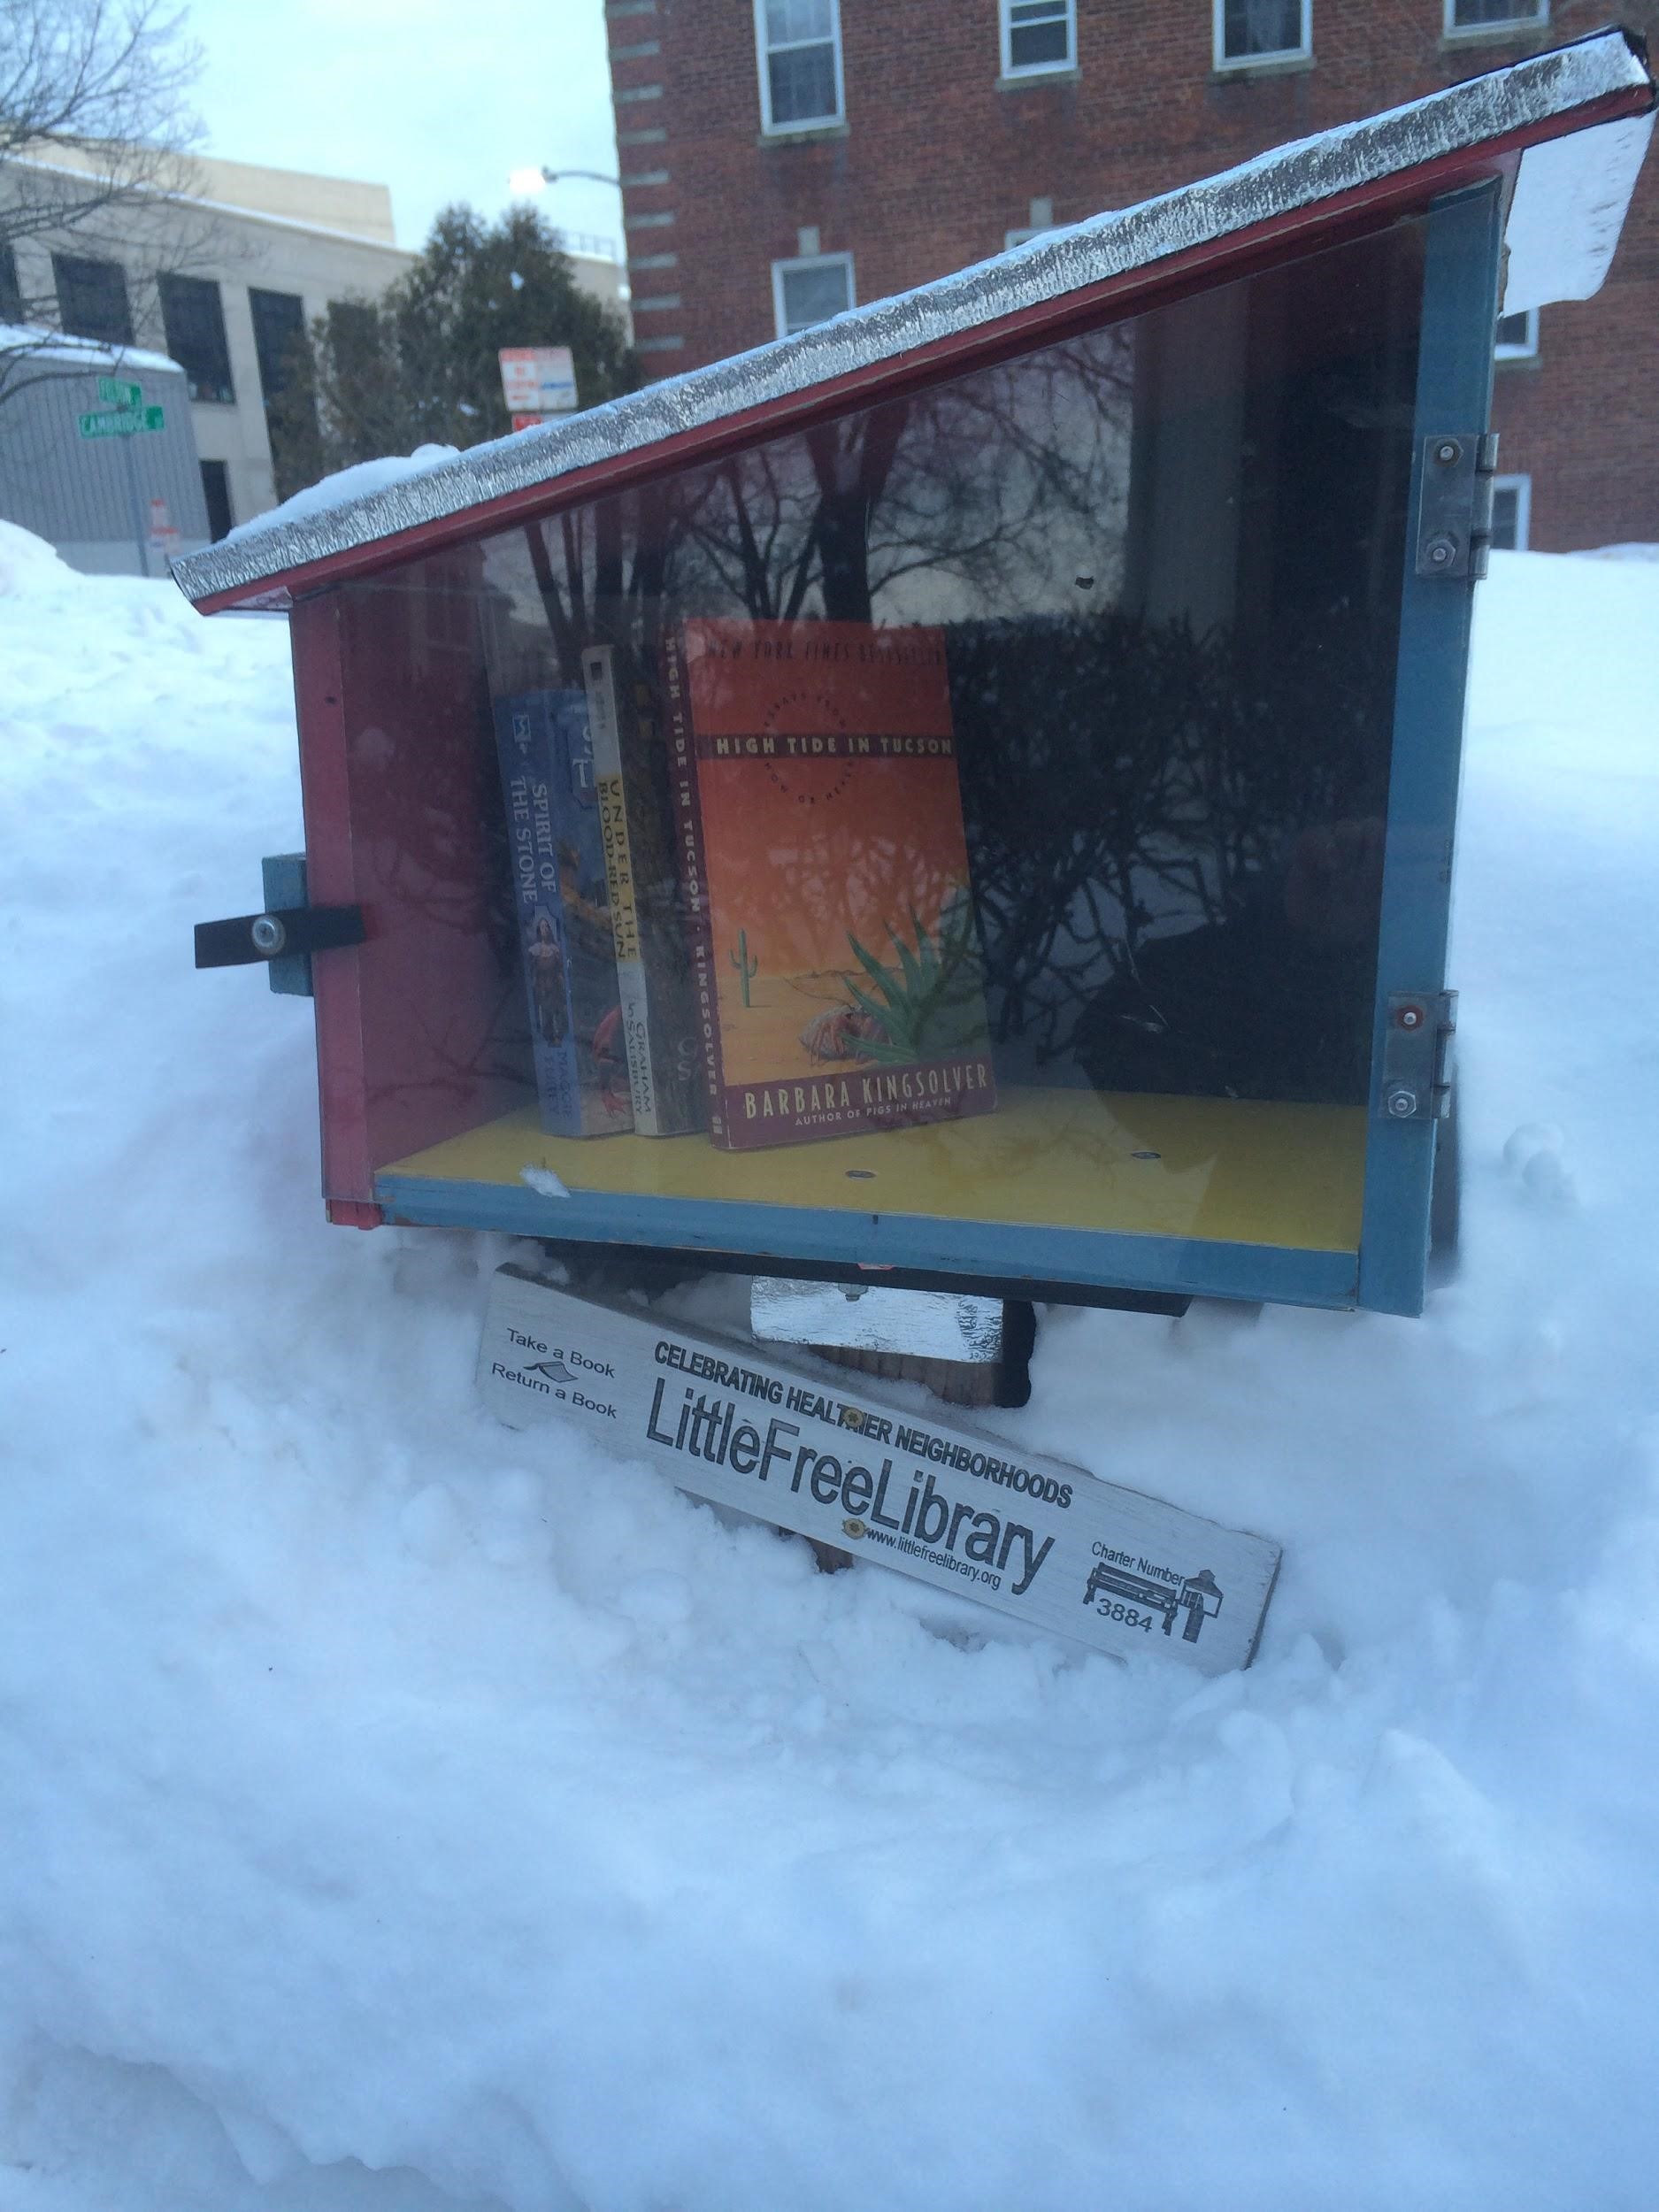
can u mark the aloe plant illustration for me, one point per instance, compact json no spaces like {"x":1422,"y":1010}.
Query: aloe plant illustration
{"x":747,"y":969}
{"x":932,"y":1000}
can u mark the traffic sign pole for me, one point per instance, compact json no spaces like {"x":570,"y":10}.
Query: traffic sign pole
{"x":138,"y":519}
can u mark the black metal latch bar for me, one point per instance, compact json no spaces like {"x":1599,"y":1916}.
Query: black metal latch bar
{"x":285,"y":934}
{"x":248,"y":937}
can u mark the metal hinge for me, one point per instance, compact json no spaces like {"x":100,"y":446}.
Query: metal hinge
{"x":284,"y":935}
{"x":1454,"y":505}
{"x":1416,"y":1071}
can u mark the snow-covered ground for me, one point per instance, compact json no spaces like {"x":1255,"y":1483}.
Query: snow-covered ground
{"x":397,"y":1812}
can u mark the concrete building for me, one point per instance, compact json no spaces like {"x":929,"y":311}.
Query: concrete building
{"x":261,"y":253}
{"x":782,"y":159}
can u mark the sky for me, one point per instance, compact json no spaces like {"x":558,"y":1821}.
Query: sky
{"x":437,"y":100}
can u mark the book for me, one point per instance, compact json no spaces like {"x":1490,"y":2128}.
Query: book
{"x":836,"y":959}
{"x":653,"y":952}
{"x":561,"y":899}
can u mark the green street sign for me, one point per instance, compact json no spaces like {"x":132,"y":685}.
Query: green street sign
{"x":115,"y":392}
{"x":123,"y":422}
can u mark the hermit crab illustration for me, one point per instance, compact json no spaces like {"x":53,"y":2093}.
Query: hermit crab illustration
{"x":840,"y":1032}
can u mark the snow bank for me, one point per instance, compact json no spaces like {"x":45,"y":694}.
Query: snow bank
{"x":28,"y":563}
{"x":400,"y":1813}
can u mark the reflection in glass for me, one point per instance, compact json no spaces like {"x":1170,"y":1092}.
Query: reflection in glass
{"x":1159,"y":566}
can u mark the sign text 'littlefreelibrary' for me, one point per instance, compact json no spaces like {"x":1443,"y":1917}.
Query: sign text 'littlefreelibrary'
{"x":1055,"y":1547}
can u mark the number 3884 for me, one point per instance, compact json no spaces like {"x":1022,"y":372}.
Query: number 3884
{"x":1129,"y":1615}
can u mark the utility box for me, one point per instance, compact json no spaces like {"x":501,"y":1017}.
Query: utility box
{"x":1030,"y":710}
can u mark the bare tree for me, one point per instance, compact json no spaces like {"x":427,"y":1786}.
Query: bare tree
{"x":95,"y":132}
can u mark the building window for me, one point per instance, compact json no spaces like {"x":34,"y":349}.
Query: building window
{"x":1037,"y":35}
{"x":216,"y":491}
{"x":278,"y":337}
{"x":1495,"y":15}
{"x":193,"y":316}
{"x":92,"y":300}
{"x":808,"y":292}
{"x":1039,"y":217}
{"x":1517,"y":336}
{"x":798,"y":43}
{"x":11,"y":290}
{"x":290,"y":400}
{"x":1252,"y":31}
{"x":1511,"y":513}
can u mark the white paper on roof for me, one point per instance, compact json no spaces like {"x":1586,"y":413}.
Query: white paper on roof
{"x":1569,"y":204}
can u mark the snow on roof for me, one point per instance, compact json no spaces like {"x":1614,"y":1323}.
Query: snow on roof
{"x":86,"y":353}
{"x":359,"y":482}
{"x":1540,"y":97}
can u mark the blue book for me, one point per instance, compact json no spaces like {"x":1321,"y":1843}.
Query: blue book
{"x":561,"y":901}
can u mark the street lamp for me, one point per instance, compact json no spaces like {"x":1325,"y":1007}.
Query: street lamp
{"x":552,"y":176}
{"x":533,"y":179}
{"x":523,"y":182}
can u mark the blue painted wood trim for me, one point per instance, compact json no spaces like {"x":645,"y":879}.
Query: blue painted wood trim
{"x":290,"y":972}
{"x":1182,"y":1264}
{"x":1460,"y":311}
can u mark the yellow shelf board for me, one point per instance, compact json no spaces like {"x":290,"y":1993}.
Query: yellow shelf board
{"x":1223,"y":1170}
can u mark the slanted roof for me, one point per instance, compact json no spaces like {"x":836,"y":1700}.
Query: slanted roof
{"x":1315,"y":190}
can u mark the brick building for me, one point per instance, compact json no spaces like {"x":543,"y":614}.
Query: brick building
{"x":781,"y":159}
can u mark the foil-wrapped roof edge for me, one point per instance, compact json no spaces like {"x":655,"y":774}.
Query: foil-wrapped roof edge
{"x":1288,"y":180}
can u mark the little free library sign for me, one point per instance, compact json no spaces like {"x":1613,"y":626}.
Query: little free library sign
{"x":1056,"y":1548}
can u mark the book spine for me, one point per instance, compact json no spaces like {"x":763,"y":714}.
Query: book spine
{"x":688,"y":846}
{"x":601,"y":1067}
{"x":600,"y":677}
{"x":529,"y":771}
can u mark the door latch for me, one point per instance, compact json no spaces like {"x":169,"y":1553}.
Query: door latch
{"x":285,"y":934}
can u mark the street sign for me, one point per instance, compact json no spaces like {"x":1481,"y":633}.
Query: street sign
{"x":538,"y":380}
{"x":123,"y":422}
{"x":116,"y":393}
{"x":164,"y":531}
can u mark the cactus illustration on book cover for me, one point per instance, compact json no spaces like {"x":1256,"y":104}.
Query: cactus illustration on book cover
{"x":837,"y":962}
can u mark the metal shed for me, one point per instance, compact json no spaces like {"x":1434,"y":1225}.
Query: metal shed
{"x":112,"y":501}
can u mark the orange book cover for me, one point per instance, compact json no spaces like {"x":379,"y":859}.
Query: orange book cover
{"x":838,"y":972}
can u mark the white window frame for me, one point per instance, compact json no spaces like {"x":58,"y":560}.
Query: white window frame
{"x":781,"y":269}
{"x":1005,"y":18}
{"x":1522,"y":487}
{"x":763,"y":53}
{"x":1452,"y":28}
{"x":1280,"y":55}
{"x":1527,"y":351}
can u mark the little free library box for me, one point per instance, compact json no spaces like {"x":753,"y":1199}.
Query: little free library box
{"x":967,"y":790}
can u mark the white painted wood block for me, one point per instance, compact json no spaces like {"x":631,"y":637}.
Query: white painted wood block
{"x":858,"y":1317}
